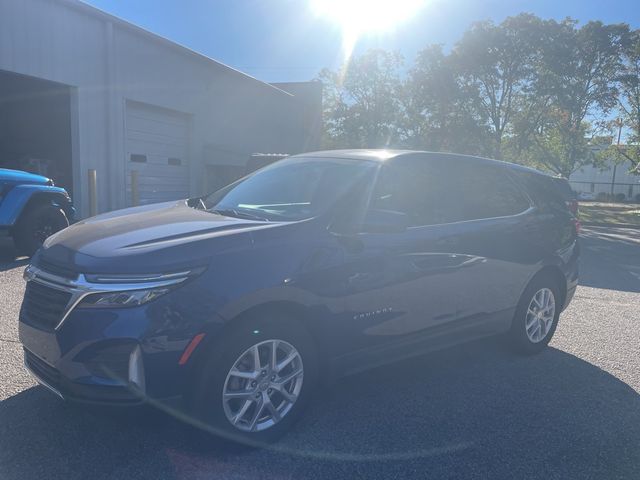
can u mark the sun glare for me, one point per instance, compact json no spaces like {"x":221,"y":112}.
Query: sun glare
{"x":357,"y":17}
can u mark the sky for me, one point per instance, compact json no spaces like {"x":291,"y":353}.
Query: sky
{"x":285,"y":40}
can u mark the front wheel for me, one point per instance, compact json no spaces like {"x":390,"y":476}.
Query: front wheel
{"x":257,"y":386}
{"x":35,"y":225}
{"x":536,"y":316}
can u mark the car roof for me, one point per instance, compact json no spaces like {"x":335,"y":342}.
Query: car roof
{"x":384,"y":155}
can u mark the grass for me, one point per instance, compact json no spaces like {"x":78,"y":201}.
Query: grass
{"x":610,"y":213}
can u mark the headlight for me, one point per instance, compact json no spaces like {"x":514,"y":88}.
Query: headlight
{"x":132,"y":298}
{"x":121,"y":291}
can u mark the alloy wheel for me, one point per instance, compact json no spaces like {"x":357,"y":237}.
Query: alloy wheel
{"x":263,"y":385}
{"x":540,"y":315}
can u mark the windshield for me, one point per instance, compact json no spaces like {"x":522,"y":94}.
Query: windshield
{"x":290,"y":190}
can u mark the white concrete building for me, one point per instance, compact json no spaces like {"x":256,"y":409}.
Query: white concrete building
{"x":593,"y":180}
{"x":81,"y":89}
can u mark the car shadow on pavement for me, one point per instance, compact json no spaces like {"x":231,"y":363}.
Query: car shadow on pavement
{"x":476,"y":411}
{"x":610,"y":259}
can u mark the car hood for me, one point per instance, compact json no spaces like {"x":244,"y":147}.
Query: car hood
{"x":8,"y":176}
{"x":151,"y":238}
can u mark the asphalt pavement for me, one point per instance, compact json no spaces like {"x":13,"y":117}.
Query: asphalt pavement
{"x":475,"y":411}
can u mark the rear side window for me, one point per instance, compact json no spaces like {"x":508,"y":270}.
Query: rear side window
{"x":563,"y":186}
{"x":487,"y":192}
{"x":544,"y":190}
{"x":438,"y":192}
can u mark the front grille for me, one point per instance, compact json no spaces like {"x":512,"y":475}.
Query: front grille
{"x":42,"y":370}
{"x":43,"y":306}
{"x":56,"y":269}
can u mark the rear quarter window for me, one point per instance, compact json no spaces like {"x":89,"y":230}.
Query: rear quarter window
{"x":563,"y":186}
{"x":544,"y":190}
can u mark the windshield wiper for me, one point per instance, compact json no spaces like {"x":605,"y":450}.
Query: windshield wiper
{"x":233,"y":212}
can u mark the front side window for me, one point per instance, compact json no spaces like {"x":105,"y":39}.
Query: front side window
{"x":292,"y":189}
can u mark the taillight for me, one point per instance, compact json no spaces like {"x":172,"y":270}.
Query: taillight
{"x":577,"y":225}
{"x":572,"y":205}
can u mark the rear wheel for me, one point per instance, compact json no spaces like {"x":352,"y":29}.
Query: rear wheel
{"x":35,"y":225}
{"x":536,"y":316}
{"x":256,"y":387}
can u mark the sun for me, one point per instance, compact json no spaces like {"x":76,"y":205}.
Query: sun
{"x":357,"y":17}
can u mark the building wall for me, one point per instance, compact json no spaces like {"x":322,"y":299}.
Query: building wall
{"x":595,"y":180}
{"x":309,"y":109}
{"x":107,"y":61}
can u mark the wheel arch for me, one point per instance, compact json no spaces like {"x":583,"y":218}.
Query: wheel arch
{"x":289,"y":312}
{"x":26,"y":197}
{"x":58,"y":199}
{"x":554,"y":272}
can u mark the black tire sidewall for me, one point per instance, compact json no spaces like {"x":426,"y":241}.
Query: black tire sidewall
{"x":518,"y":333}
{"x":24,"y":239}
{"x":207,"y":399}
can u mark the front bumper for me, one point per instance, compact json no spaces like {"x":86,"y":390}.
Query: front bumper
{"x":114,"y":356}
{"x":94,"y":359}
{"x":125,"y":394}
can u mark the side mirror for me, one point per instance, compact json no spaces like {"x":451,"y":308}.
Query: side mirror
{"x":196,"y":202}
{"x":385,"y":221}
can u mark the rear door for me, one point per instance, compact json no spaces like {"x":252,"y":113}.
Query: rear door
{"x":458,"y":268}
{"x":487,"y":216}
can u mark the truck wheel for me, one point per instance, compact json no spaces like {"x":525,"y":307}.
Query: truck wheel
{"x":35,"y":225}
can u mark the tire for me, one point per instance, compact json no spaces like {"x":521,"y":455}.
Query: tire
{"x":210,"y":410}
{"x":525,"y":336}
{"x":35,"y":225}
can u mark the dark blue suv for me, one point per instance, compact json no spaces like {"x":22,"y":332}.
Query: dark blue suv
{"x":239,"y":303}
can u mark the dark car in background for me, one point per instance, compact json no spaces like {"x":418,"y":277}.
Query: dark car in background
{"x":235,"y":306}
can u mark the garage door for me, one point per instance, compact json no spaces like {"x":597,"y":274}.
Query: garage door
{"x":157,"y":142}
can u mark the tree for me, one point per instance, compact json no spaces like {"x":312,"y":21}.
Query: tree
{"x":496,"y":67}
{"x":438,"y":116}
{"x":577,"y":77}
{"x":629,"y":103}
{"x":362,"y":106}
{"x":527,"y":90}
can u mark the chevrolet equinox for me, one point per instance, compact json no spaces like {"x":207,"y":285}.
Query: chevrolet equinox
{"x":237,"y":304}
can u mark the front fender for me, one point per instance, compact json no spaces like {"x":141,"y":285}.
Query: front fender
{"x":16,"y":200}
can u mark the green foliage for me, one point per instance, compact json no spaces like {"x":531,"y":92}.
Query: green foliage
{"x":437,"y":113}
{"x":527,"y":90}
{"x":362,"y":105}
{"x":496,"y":66}
{"x":629,"y":104}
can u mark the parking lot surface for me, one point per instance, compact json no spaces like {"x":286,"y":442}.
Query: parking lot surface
{"x":476,"y":411}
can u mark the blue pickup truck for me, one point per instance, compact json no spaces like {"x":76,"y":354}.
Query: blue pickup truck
{"x":31,"y":209}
